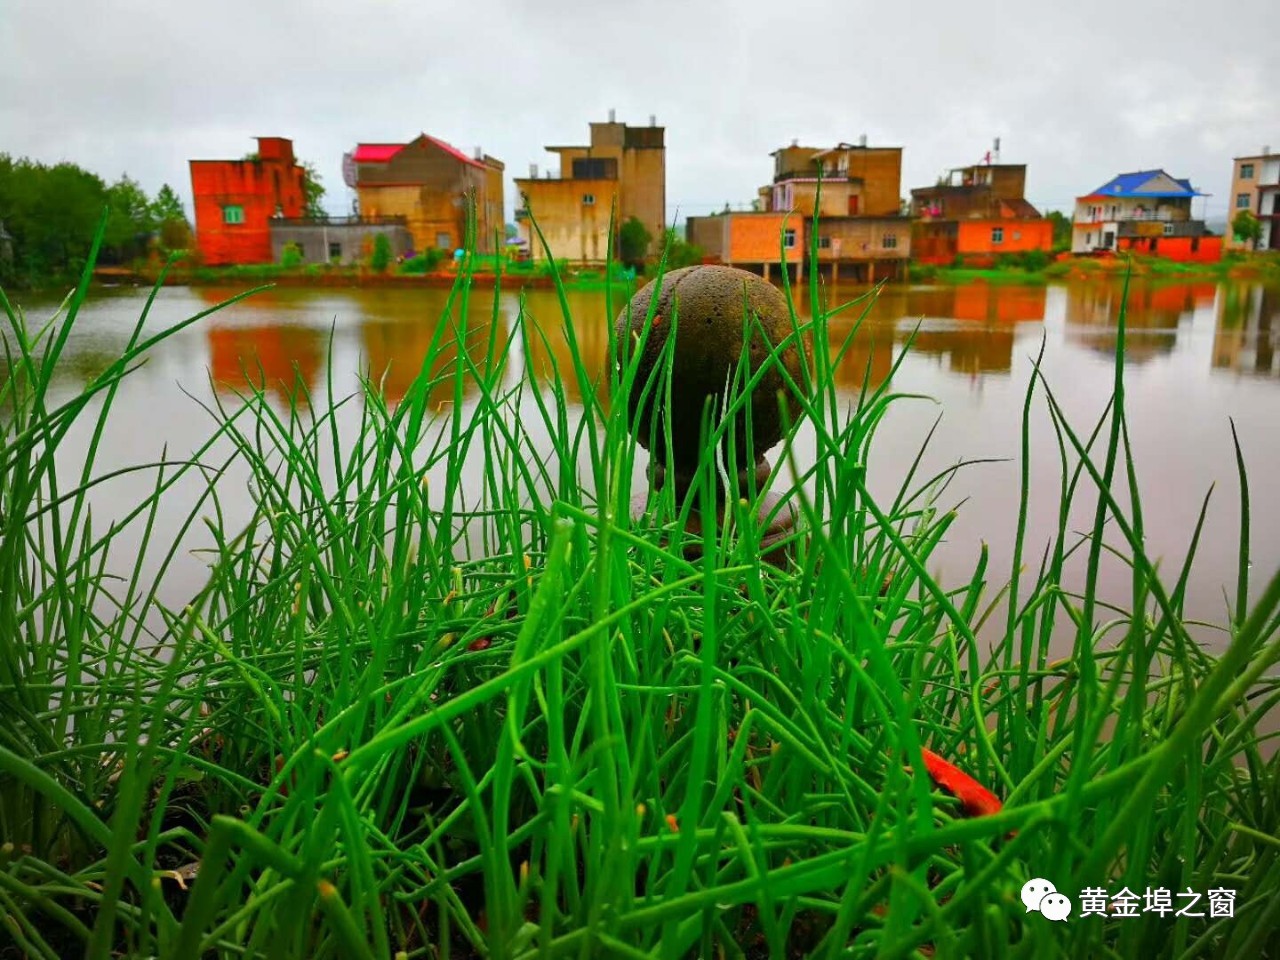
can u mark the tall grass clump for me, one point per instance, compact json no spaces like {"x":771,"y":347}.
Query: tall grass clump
{"x":410,"y":717}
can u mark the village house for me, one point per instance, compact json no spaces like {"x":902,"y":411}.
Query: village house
{"x":1144,"y":212}
{"x":855,"y":191}
{"x":975,"y":214}
{"x":431,"y":185}
{"x":573,"y":207}
{"x":1255,"y":186}
{"x":235,"y":201}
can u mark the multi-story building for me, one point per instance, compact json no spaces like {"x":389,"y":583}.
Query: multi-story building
{"x":1144,"y":212}
{"x":432,"y":185}
{"x":573,"y":207}
{"x":976,"y":213}
{"x":862,"y":234}
{"x":236,"y":200}
{"x":1255,"y":186}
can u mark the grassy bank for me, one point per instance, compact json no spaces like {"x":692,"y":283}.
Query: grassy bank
{"x":530,"y":727}
{"x":1260,"y":266}
{"x":482,"y":272}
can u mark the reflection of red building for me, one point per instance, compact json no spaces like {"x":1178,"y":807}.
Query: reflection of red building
{"x":279,"y":359}
{"x":999,"y":303}
{"x":236,"y":199}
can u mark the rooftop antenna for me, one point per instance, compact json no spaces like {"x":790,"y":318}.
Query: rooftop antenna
{"x":995,"y":151}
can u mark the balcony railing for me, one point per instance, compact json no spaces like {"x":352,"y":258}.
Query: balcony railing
{"x":1120,"y":216}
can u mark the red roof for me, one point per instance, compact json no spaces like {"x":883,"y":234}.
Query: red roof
{"x":382,"y":152}
{"x":453,"y":151}
{"x":376,"y":152}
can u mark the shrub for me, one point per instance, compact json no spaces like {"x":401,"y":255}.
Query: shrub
{"x":381,"y":257}
{"x":291,"y":256}
{"x":424,"y":262}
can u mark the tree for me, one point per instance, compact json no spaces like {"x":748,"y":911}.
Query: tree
{"x":129,"y":223}
{"x":52,"y":214}
{"x":313,"y":191}
{"x":167,"y":206}
{"x":171,"y":220}
{"x":681,"y":253}
{"x":1247,"y":228}
{"x":633,"y":243}
{"x":1061,"y":230}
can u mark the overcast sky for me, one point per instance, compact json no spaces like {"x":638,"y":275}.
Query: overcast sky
{"x":1079,"y":91}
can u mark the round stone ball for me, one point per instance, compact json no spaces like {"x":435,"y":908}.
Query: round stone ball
{"x":714,"y":303}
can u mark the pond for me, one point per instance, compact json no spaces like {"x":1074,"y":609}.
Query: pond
{"x":1200,"y":356}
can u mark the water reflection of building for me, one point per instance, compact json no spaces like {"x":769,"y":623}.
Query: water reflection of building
{"x":282,"y":360}
{"x":1153,"y":313}
{"x":982,"y":341}
{"x":396,"y":351}
{"x":1248,"y":330}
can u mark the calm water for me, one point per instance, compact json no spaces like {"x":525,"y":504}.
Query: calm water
{"x":1200,"y":355}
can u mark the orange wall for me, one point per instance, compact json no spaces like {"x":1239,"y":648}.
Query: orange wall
{"x":259,"y":186}
{"x":974,"y":236}
{"x":757,"y":238}
{"x":1207,"y":250}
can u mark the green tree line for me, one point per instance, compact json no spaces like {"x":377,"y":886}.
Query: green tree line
{"x":51,"y":213}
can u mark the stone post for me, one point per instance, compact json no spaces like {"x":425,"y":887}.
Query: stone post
{"x":714,"y":302}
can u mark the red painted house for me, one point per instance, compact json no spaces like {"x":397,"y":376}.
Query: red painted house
{"x":236,"y":199}
{"x":975,"y":214}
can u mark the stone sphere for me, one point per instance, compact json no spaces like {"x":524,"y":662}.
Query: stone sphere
{"x":713,"y":303}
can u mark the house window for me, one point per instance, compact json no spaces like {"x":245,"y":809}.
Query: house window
{"x":1088,"y":239}
{"x":588,"y":199}
{"x":1246,"y":171}
{"x":824,"y":243}
{"x":1242,"y":201}
{"x":1168,"y":229}
{"x":889,"y":241}
{"x":335,"y":251}
{"x":442,"y":241}
{"x":233,"y":214}
{"x":788,"y":238}
{"x":997,"y":234}
{"x":1017,"y":234}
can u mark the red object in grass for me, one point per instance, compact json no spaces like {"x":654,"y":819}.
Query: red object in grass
{"x":975,"y":799}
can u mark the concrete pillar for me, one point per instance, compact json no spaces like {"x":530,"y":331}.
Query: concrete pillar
{"x":871,"y":271}
{"x":766,"y":270}
{"x":835,"y":272}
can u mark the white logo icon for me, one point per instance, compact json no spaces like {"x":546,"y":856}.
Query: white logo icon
{"x":1039,"y":894}
{"x":1056,"y":906}
{"x":1033,"y":891}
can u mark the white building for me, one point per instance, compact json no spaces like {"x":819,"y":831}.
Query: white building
{"x":1137,"y":207}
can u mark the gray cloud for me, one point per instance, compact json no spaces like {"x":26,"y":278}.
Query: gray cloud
{"x":1077,"y":91}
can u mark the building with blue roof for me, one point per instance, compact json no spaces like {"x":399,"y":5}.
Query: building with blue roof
{"x":1136,"y":211}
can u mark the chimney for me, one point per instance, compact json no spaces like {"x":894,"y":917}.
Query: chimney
{"x":862,"y":140}
{"x":653,"y":119}
{"x":612,"y":115}
{"x":1266,"y":150}
{"x":533,"y":171}
{"x":479,"y":154}
{"x":795,"y":141}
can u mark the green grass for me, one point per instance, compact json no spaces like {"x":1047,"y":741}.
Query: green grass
{"x":529,"y":727}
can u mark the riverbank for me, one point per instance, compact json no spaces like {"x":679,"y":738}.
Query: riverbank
{"x":1258,"y":266}
{"x":346,"y":277}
